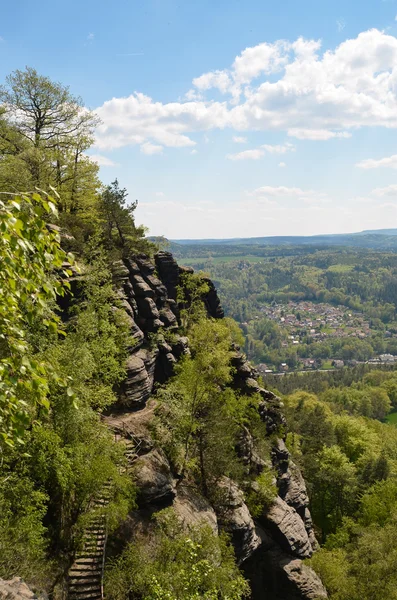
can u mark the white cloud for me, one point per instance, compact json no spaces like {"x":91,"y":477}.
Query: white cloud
{"x":279,"y":149}
{"x":280,"y":191}
{"x":256,"y":153}
{"x":371,"y":163}
{"x":149,"y":148}
{"x":282,"y":164}
{"x":247,"y":155}
{"x":340,"y":24}
{"x":194,"y":151}
{"x":216,"y":79}
{"x":317,"y":134}
{"x":238,"y":139}
{"x":390,"y":190}
{"x":103,"y":161}
{"x":281,"y":86}
{"x":160,"y":194}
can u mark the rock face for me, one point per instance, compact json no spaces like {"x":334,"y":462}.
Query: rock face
{"x":235,"y":518}
{"x":275,"y":575}
{"x":16,"y":589}
{"x":154,"y":479}
{"x":193,"y":509}
{"x":287,"y":528}
{"x":271,"y":548}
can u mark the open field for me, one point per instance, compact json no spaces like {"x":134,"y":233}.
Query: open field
{"x":216,"y":260}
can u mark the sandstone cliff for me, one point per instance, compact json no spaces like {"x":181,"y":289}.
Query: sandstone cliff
{"x":270,"y":548}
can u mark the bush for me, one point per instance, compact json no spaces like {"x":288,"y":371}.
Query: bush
{"x":176,"y":564}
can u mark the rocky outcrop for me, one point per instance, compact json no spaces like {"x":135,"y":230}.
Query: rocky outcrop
{"x":287,"y":529}
{"x":193,"y":509}
{"x":235,"y":518}
{"x":154,"y":479}
{"x":16,"y":589}
{"x":275,"y":575}
{"x":270,"y":549}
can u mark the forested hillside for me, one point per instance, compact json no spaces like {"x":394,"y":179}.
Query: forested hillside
{"x":142,"y":456}
{"x":301,"y":304}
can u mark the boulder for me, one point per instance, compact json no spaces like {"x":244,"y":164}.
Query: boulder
{"x":154,"y":479}
{"x":16,"y":589}
{"x":137,"y":385}
{"x":193,"y":509}
{"x":300,"y":581}
{"x":275,"y":575}
{"x":235,"y":518}
{"x":287,"y":528}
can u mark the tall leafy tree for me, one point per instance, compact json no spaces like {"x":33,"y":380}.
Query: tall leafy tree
{"x":44,"y":130}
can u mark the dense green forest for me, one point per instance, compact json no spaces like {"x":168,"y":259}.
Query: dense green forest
{"x":64,"y":340}
{"x":349,"y":463}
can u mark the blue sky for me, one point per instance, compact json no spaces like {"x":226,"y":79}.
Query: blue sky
{"x":230,"y":119}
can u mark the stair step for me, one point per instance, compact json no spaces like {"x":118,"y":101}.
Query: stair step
{"x":97,"y":556}
{"x":85,"y":595}
{"x":81,"y":575}
{"x":93,"y":530}
{"x":83,"y":586}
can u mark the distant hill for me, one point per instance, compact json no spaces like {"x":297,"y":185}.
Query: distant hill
{"x":385,"y":239}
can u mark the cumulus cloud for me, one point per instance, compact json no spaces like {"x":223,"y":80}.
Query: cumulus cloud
{"x":389,"y":190}
{"x":238,"y":139}
{"x":103,"y":161}
{"x":256,"y":153}
{"x":149,"y":148}
{"x":247,"y":155}
{"x":371,"y":163}
{"x":290,"y":86}
{"x":317,"y":134}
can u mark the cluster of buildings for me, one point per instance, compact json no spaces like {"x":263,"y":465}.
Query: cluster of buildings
{"x":318,"y":321}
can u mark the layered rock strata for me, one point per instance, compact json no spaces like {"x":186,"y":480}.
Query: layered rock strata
{"x":270,"y":548}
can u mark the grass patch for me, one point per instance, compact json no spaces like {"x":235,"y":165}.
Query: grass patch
{"x":340,"y":268}
{"x":391,"y":418}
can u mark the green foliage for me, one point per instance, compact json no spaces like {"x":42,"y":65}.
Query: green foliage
{"x":263,"y":492}
{"x":195,"y":403}
{"x":44,"y":132}
{"x":22,"y":534}
{"x":333,"y":488}
{"x":379,"y":503}
{"x":190,"y":293}
{"x":31,"y":260}
{"x":98,"y":339}
{"x":176,"y":564}
{"x":363,"y":569}
{"x":119,"y":231}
